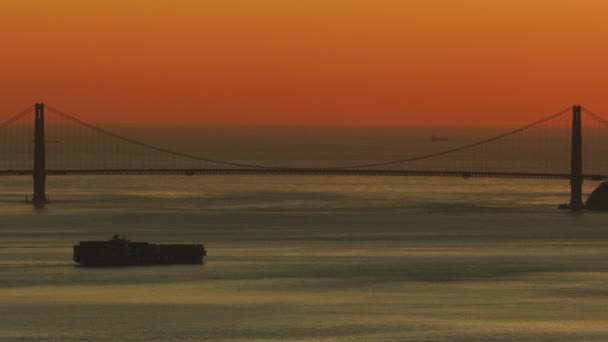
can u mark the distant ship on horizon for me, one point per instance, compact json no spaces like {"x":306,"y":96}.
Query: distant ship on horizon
{"x":435,"y":138}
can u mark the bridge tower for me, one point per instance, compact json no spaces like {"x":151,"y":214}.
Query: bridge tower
{"x":576,"y":160}
{"x":39,"y":172}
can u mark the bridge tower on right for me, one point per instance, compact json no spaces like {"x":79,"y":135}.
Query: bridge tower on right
{"x":39,"y":172}
{"x":576,"y":161}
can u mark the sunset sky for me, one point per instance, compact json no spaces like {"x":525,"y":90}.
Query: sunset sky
{"x":313,"y":62}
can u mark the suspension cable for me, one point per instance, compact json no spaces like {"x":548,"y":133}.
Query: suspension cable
{"x":595,"y":116}
{"x":16,"y":117}
{"x":259,"y":166}
{"x":153,"y":147}
{"x":464,"y":147}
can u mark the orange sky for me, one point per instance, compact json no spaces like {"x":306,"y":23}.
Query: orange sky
{"x":313,"y":62}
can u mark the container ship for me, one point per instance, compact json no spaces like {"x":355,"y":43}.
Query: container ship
{"x":120,"y":251}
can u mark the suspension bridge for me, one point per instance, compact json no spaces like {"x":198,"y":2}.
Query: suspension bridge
{"x":62,"y":144}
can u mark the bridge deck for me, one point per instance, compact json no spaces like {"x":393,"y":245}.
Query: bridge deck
{"x":304,"y":172}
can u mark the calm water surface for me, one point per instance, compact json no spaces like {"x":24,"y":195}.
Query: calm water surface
{"x":306,"y":259}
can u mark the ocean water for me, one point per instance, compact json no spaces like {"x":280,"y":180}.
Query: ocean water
{"x":315,"y":258}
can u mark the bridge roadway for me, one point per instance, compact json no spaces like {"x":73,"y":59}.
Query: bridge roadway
{"x":303,"y":172}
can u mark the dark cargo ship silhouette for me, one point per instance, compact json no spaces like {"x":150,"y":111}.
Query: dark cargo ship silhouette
{"x":120,"y":251}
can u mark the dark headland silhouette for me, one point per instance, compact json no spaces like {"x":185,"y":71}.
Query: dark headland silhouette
{"x":598,"y":200}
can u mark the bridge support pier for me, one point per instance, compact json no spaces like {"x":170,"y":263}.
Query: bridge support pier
{"x":576,"y":161}
{"x":39,"y":172}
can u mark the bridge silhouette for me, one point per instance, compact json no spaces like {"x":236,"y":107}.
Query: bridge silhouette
{"x":62,"y":144}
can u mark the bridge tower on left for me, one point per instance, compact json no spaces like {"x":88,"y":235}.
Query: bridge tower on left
{"x":39,"y":172}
